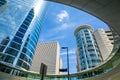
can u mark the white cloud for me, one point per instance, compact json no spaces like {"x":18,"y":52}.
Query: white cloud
{"x":62,"y":15}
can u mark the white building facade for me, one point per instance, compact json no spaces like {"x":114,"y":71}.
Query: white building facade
{"x":49,"y":54}
{"x":104,"y":39}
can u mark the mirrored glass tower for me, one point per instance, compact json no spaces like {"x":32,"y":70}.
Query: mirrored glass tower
{"x":20,"y":25}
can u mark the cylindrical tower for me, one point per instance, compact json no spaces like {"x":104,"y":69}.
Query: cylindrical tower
{"x":87,"y":48}
{"x":20,"y":26}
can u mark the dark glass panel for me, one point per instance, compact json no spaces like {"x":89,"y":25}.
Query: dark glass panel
{"x":2,"y":56}
{"x":9,"y":59}
{"x":11,"y":51}
{"x":15,"y":45}
{"x":19,"y":35}
{"x":18,"y":40}
{"x":22,"y":30}
{"x":19,"y":63}
{"x":4,"y":42}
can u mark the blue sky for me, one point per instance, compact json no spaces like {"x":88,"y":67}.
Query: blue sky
{"x":59,"y":25}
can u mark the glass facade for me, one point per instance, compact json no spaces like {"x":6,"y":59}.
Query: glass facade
{"x":20,"y":26}
{"x":87,"y":48}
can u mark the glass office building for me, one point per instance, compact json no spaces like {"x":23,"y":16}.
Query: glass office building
{"x":20,"y":25}
{"x":87,"y":49}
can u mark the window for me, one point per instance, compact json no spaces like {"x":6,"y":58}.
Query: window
{"x":93,"y":55}
{"x":87,"y":37}
{"x":89,"y":41}
{"x":5,"y":41}
{"x":11,"y":51}
{"x":85,"y":30}
{"x":29,"y":54}
{"x":86,"y":34}
{"x":19,"y":34}
{"x":9,"y":59}
{"x":19,"y":63}
{"x":24,"y":57}
{"x":18,"y":40}
{"x":93,"y":61}
{"x":24,"y":26}
{"x":2,"y":57}
{"x":2,"y":48}
{"x":90,"y":45}
{"x":26,"y":23}
{"x":15,"y":45}
{"x":91,"y":50}
{"x":22,"y":30}
{"x":30,"y":48}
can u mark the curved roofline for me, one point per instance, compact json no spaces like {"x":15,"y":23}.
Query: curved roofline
{"x":82,"y":27}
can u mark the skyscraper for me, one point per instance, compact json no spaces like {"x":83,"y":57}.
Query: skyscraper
{"x":104,"y":39}
{"x":86,"y":47}
{"x":20,"y":26}
{"x":49,"y":54}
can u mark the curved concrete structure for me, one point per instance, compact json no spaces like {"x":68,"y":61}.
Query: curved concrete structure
{"x":83,"y":27}
{"x":106,"y":10}
{"x":109,"y":12}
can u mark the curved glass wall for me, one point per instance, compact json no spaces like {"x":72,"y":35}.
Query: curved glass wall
{"x":20,"y":27}
{"x":87,"y":48}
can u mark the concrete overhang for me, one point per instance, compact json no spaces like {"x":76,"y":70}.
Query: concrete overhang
{"x":106,"y":10}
